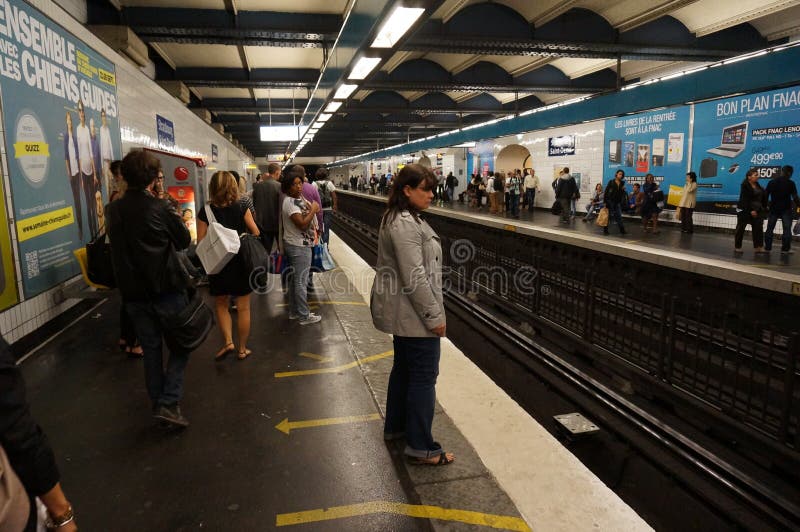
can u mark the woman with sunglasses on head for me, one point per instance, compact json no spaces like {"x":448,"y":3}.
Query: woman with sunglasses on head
{"x":407,"y":302}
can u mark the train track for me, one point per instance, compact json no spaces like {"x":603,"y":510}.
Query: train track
{"x":736,"y":499}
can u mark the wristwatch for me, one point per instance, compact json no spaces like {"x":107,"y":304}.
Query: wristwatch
{"x":54,"y":523}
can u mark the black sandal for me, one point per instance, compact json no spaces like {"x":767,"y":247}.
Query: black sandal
{"x":443,"y":460}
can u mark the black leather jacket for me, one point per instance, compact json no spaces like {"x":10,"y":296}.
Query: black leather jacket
{"x":145,"y":232}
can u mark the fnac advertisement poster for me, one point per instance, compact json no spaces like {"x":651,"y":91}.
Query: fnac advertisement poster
{"x":62,"y":131}
{"x":732,"y":135}
{"x":648,"y":143}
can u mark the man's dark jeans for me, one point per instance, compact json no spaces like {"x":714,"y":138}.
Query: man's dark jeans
{"x":786,"y":224}
{"x":164,"y":386}
{"x":412,"y":396}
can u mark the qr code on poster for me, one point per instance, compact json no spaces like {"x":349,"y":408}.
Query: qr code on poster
{"x":32,"y":263}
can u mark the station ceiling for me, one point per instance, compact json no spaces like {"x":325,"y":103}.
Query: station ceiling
{"x":259,"y":62}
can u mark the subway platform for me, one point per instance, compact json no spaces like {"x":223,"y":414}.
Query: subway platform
{"x":704,"y":252}
{"x":291,"y":438}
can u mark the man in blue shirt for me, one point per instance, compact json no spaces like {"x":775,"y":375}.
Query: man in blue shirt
{"x":781,"y":191}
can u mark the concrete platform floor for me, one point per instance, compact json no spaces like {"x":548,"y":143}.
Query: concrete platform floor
{"x":290,"y":437}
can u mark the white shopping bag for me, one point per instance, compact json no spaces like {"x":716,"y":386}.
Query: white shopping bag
{"x":218,"y":247}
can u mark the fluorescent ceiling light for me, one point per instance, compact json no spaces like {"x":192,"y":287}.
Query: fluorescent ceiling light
{"x":318,"y":124}
{"x":396,"y":26}
{"x":344,"y":91}
{"x":281,"y":133}
{"x":333,"y":107}
{"x":364,"y":66}
{"x":324,"y":117}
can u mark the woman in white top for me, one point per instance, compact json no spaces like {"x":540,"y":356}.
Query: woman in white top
{"x":688,"y":203}
{"x":299,"y":222}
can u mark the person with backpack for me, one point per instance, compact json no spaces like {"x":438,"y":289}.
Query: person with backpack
{"x":451,"y":183}
{"x":499,"y":188}
{"x":566,"y":189}
{"x":327,"y":196}
{"x":514,"y":189}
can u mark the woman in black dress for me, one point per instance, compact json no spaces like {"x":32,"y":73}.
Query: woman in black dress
{"x":233,"y":280}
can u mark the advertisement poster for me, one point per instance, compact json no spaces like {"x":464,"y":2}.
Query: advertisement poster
{"x":186,"y":205}
{"x":8,"y":285}
{"x":645,"y":143}
{"x":482,"y":158}
{"x":731,"y":136}
{"x":62,"y":130}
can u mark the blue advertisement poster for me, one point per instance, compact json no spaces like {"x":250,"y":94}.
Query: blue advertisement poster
{"x":731,"y":136}
{"x":481,"y":159}
{"x":62,"y":130}
{"x":648,"y":143}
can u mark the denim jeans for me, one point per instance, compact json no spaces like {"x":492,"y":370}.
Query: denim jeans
{"x":297,"y":278}
{"x":514,"y":200}
{"x":411,"y":396}
{"x":564,"y":217}
{"x":327,"y":220}
{"x":786,"y":224}
{"x":164,"y":386}
{"x":451,"y":192}
{"x":530,"y":197}
{"x":615,"y":213}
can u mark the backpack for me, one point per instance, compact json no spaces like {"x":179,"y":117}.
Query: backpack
{"x":498,"y":184}
{"x":324,"y":194}
{"x":455,"y":181}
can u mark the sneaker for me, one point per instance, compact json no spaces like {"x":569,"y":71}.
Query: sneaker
{"x":312,"y":318}
{"x":787,"y":252}
{"x":171,"y":414}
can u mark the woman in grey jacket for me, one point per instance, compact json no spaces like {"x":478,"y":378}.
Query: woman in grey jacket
{"x":407,"y":302}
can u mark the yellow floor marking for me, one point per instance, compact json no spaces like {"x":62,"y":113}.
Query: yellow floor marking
{"x":312,"y":303}
{"x":318,"y":358}
{"x":334,"y":369}
{"x":287,"y":426}
{"x":502,"y":522}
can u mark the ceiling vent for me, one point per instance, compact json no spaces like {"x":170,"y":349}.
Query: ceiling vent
{"x":123,"y":40}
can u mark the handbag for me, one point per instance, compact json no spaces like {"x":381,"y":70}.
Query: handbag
{"x":219,"y":246}
{"x":678,"y":213}
{"x":185,"y":330}
{"x":99,"y":267}
{"x":556,"y":208}
{"x":252,"y":253}
{"x":602,"y":217}
{"x":321,"y":260}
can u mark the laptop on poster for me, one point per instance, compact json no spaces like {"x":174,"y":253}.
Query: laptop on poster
{"x":734,"y":139}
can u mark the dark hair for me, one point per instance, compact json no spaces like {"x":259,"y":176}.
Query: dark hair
{"x":297,"y":171}
{"x":617,"y":172}
{"x":565,"y":170}
{"x":235,"y":174}
{"x":271,"y":167}
{"x":749,"y":173}
{"x":414,"y":176}
{"x":787,"y":170}
{"x":637,"y":185}
{"x":288,"y":180}
{"x":692,"y":176}
{"x":139,"y":169}
{"x":115,"y":167}
{"x":321,"y":173}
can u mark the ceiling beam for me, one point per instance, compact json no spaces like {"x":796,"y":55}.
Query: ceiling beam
{"x":535,"y":47}
{"x":234,"y":105}
{"x":234,"y":27}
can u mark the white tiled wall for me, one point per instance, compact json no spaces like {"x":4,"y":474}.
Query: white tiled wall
{"x":139,"y":99}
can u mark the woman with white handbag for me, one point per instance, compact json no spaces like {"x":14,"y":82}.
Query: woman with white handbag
{"x":225,"y":209}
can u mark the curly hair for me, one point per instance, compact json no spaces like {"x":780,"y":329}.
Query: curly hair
{"x":223,"y":190}
{"x":139,"y":169}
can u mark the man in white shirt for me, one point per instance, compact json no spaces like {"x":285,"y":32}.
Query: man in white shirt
{"x":106,"y":150}
{"x":86,"y":164}
{"x":531,"y":187}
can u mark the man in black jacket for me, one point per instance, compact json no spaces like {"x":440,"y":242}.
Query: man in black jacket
{"x":781,"y":191}
{"x":566,"y":188}
{"x":145,"y":233}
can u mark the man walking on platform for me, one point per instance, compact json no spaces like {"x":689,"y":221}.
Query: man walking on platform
{"x":266,"y":201}
{"x":781,"y":191}
{"x":531,"y":187}
{"x":565,"y":192}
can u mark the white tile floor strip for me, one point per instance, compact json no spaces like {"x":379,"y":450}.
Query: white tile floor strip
{"x":552,"y":489}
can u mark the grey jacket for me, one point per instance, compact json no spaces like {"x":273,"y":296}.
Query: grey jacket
{"x":406,"y":297}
